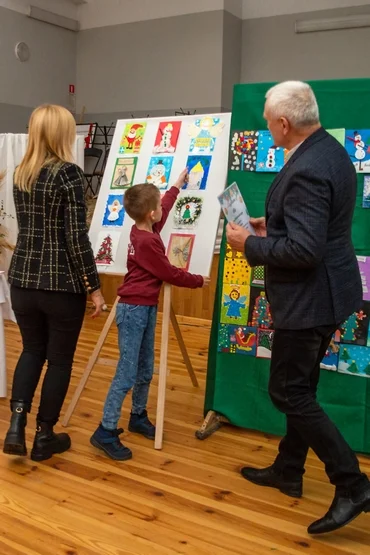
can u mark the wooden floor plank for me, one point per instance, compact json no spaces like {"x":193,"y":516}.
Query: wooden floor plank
{"x":187,"y":499}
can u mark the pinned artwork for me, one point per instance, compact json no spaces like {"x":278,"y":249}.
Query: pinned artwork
{"x":244,"y":147}
{"x":106,"y":248}
{"x":265,"y":339}
{"x":235,"y":302}
{"x":237,"y":340}
{"x":203,"y":133}
{"x":269,"y":157}
{"x":187,"y":212}
{"x":339,"y":134}
{"x":159,"y":171}
{"x":124,"y":173}
{"x":167,"y":137}
{"x":364,"y":266}
{"x":198,"y":167}
{"x":179,"y":250}
{"x":331,"y":358}
{"x":114,"y":212}
{"x":236,"y":268}
{"x":354,"y":360}
{"x":259,"y":310}
{"x":358,"y":147}
{"x":132,"y":138}
{"x":366,"y":193}
{"x":258,"y":276}
{"x":356,"y":328}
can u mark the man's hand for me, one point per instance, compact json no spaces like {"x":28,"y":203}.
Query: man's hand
{"x":236,"y":236}
{"x":259,"y":226}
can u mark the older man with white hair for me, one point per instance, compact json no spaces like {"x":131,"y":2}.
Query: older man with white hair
{"x":313,"y":284}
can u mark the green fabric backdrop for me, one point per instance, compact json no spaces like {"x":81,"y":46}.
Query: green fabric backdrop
{"x":237,"y":386}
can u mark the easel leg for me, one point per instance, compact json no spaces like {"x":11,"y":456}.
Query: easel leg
{"x":183,"y":349}
{"x":90,"y":365}
{"x":163,"y":367}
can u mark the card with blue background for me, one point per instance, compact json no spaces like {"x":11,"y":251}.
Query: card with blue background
{"x":114,"y":214}
{"x":358,"y":147}
{"x":269,"y":157}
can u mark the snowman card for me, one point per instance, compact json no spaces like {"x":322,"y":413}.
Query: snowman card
{"x":159,"y":171}
{"x":167,"y":137}
{"x":233,"y":206}
{"x":269,"y":157}
{"x":366,"y":194}
{"x":114,"y":214}
{"x":124,"y":173}
{"x":358,"y":147}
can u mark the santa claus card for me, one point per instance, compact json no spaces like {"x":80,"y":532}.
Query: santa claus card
{"x":167,"y":137}
{"x":132,"y":138}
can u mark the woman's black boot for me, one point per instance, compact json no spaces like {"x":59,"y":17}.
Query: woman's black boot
{"x":15,"y":440}
{"x":47,"y":443}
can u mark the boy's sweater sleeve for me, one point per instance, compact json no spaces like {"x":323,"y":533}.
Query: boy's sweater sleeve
{"x":168,"y":201}
{"x":151,"y":257}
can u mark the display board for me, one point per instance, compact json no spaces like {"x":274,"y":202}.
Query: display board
{"x":242,"y":330}
{"x":156,"y":150}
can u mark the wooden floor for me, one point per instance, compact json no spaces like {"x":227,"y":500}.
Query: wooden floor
{"x":188,"y":498}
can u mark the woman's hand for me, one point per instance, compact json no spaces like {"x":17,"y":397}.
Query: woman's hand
{"x":99,"y":302}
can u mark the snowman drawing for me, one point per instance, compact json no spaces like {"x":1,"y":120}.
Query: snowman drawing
{"x":157,"y":175}
{"x":270,"y":161}
{"x":359,"y":148}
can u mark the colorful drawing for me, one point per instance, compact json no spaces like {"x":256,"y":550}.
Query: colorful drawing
{"x":244,"y":147}
{"x":187,"y":212}
{"x":366,"y":193}
{"x":355,"y":329}
{"x":364,"y":266}
{"x":236,"y":268}
{"x":132,"y":138}
{"x":258,"y":276}
{"x":339,"y":134}
{"x":198,"y":167}
{"x":234,"y":208}
{"x":265,"y":339}
{"x":114,"y":211}
{"x":159,"y":171}
{"x":259,"y":310}
{"x":237,"y":340}
{"x":235,"y":301}
{"x":106,"y":248}
{"x":124,"y":173}
{"x":179,"y":250}
{"x":354,"y":360}
{"x":167,"y":137}
{"x":203,"y":133}
{"x":269,"y":157}
{"x":331,"y":358}
{"x":358,"y":147}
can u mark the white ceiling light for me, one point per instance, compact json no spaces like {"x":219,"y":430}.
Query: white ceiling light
{"x":332,"y":24}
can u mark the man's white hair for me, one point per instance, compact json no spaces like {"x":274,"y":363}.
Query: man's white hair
{"x":295,"y":101}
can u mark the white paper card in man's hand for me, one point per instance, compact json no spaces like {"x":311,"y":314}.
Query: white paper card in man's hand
{"x":234,"y":208}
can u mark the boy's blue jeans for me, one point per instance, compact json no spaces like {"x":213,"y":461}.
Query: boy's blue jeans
{"x":136,"y":333}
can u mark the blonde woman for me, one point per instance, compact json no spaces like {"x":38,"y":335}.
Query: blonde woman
{"x":52,"y":271}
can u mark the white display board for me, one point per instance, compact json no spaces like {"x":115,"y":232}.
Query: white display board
{"x":157,"y":150}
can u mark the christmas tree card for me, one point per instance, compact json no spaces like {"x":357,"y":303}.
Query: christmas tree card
{"x":356,"y":328}
{"x":269,"y":157}
{"x":124,"y":173}
{"x":354,"y":360}
{"x":204,"y":132}
{"x":364,"y":265}
{"x":106,"y":248}
{"x":132,"y":138}
{"x":198,"y":167}
{"x":366,"y":193}
{"x":358,"y":147}
{"x":159,"y":171}
{"x":188,"y":210}
{"x":114,"y":212}
{"x":167,"y":137}
{"x":259,"y":309}
{"x":234,"y":208}
{"x":265,"y":340}
{"x":236,"y":268}
{"x":243,"y":151}
{"x":235,"y":301}
{"x":237,"y":340}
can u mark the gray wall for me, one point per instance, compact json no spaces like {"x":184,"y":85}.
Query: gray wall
{"x":271,"y":51}
{"x":231,"y":58}
{"x":151,"y":67}
{"x":44,"y":78}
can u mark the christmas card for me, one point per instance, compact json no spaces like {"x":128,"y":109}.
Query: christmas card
{"x":132,"y":138}
{"x":237,"y":340}
{"x":159,"y":171}
{"x":356,"y":328}
{"x":188,"y":210}
{"x":106,"y":248}
{"x":114,"y":214}
{"x":269,"y":157}
{"x":358,"y":147}
{"x":167,"y":137}
{"x":198,"y":167}
{"x":259,"y":309}
{"x":258,"y":276}
{"x":354,"y":360}
{"x":364,"y":265}
{"x":235,"y":302}
{"x":236,"y":267}
{"x":179,"y":250}
{"x":124,"y":173}
{"x":265,"y":340}
{"x":243,"y":151}
{"x":234,"y":208}
{"x":366,"y":194}
{"x":339,"y":134}
{"x":331,"y":358}
{"x":203,"y":133}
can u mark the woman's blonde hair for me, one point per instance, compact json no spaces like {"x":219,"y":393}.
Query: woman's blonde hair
{"x":51,"y":133}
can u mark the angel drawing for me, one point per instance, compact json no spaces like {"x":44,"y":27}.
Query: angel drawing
{"x":234,"y":303}
{"x":203,"y":133}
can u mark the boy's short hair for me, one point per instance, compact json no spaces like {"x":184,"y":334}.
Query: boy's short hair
{"x":141,"y":199}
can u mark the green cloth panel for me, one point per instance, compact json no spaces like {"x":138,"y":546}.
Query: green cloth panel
{"x":237,"y":385}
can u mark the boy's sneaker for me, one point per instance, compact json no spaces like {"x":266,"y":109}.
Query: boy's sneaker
{"x":109,"y":442}
{"x":140,"y":424}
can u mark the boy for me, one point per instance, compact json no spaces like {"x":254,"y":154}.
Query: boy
{"x":148,"y":267}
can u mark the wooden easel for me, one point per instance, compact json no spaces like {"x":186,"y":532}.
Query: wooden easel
{"x":168,"y":315}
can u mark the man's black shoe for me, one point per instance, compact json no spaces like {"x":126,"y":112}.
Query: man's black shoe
{"x":269,"y":477}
